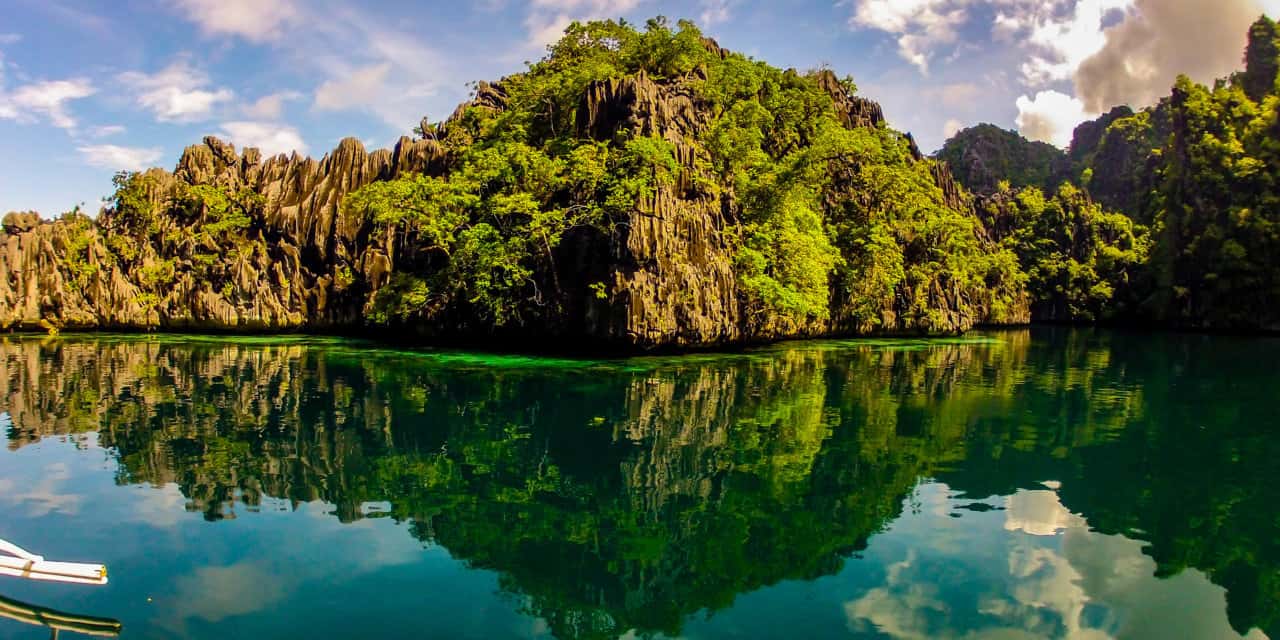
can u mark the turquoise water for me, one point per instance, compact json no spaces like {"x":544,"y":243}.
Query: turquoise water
{"x":1024,"y":484}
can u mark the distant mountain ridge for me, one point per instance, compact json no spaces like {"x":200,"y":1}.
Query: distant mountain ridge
{"x":983,"y":156}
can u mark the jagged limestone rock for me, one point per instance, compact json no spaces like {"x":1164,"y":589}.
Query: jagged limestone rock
{"x":304,"y":262}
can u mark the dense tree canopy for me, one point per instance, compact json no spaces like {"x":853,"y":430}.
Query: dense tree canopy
{"x":1201,"y":170}
{"x":1080,"y":260}
{"x":811,"y":200}
{"x":785,"y":188}
{"x":985,"y":155}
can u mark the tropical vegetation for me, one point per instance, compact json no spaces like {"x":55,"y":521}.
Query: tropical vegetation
{"x":1195,"y":181}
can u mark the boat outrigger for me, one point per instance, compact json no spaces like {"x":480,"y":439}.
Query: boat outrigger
{"x":20,"y":563}
{"x":58,"y":621}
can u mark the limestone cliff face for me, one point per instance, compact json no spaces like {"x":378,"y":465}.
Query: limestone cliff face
{"x":671,"y":274}
{"x":310,"y":264}
{"x":36,"y":290}
{"x":55,"y":274}
{"x":983,"y":156}
{"x":672,"y":271}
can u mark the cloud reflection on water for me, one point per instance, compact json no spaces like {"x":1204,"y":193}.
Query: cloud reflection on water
{"x":1034,"y":571}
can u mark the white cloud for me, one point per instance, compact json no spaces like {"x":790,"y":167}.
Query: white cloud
{"x":546,"y":29}
{"x":967,"y":580}
{"x":341,"y":46}
{"x":352,"y":90}
{"x":547,"y":19}
{"x":270,"y":107}
{"x":253,"y":20}
{"x":1156,"y":41}
{"x":1057,"y":40}
{"x":951,"y":127}
{"x":586,"y":8}
{"x":1038,"y":513}
{"x":960,"y":94}
{"x":1050,"y":116}
{"x":44,"y":492}
{"x":105,"y":131}
{"x":115,"y":158}
{"x":45,"y":101}
{"x":398,"y":73}
{"x":899,"y":609}
{"x":714,"y":12}
{"x":1056,"y":36}
{"x":177,"y":93}
{"x":234,"y":590}
{"x":921,"y":25}
{"x":1132,"y":61}
{"x":270,"y":138}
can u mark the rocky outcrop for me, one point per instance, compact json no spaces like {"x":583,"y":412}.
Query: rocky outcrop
{"x":303,"y":262}
{"x":55,"y":274}
{"x":41,"y":289}
{"x":853,"y":110}
{"x":1087,"y":135}
{"x":303,"y":195}
{"x":19,"y":222}
{"x":672,"y":272}
{"x":983,"y":156}
{"x":1116,"y":150}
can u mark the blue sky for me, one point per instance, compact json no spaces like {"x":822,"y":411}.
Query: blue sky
{"x":91,"y":87}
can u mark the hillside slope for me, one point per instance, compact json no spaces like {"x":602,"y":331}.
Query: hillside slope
{"x":1173,"y":217}
{"x":635,"y":189}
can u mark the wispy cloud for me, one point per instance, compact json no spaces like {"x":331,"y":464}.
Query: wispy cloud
{"x":105,"y":131}
{"x":116,"y":158}
{"x":959,"y":94}
{"x":177,"y":93}
{"x":399,"y":96}
{"x":921,"y":26}
{"x":547,"y":19}
{"x":78,"y":18}
{"x":270,"y":107}
{"x":269,"y":138}
{"x":714,"y":12}
{"x":253,"y":20}
{"x":350,"y":90}
{"x":46,"y":101}
{"x":345,"y":47}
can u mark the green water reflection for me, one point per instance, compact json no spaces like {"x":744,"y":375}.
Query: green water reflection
{"x":1043,"y":483}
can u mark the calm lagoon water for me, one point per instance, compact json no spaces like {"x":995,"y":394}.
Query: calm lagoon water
{"x":1025,"y":484}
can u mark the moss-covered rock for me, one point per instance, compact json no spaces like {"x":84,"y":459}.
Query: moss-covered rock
{"x":635,"y":189}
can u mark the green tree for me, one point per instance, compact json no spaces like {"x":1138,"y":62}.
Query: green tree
{"x":1081,"y":261}
{"x":1262,"y":59}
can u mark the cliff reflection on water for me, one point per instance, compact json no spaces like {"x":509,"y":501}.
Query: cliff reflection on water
{"x":630,"y":495}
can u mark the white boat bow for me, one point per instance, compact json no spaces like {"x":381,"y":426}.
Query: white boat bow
{"x":20,"y":563}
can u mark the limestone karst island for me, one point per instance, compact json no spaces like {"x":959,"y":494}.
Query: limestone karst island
{"x":864,"y":319}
